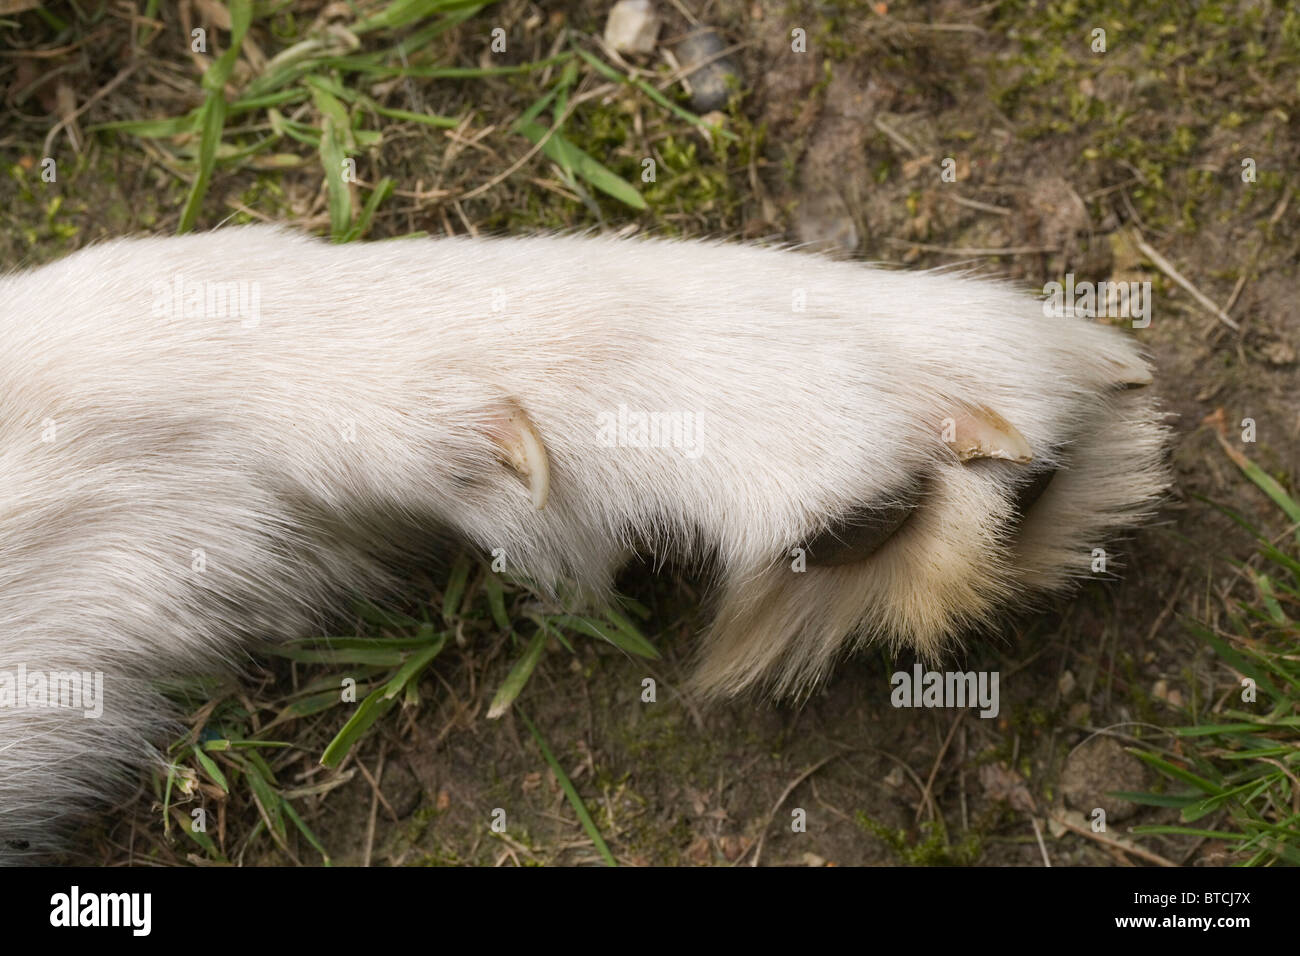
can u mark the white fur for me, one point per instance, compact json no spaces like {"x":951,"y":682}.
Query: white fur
{"x":175,"y":434}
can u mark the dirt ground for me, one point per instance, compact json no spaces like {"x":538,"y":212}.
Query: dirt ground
{"x":1064,"y":160}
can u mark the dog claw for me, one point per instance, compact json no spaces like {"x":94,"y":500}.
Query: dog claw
{"x":522,"y":449}
{"x":980,"y":432}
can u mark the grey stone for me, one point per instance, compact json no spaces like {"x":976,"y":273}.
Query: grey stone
{"x":1093,"y":770}
{"x":710,"y":83}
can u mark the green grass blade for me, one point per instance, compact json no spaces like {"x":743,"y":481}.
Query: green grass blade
{"x":658,"y":98}
{"x":313,"y":704}
{"x":569,"y":156}
{"x":412,"y":669}
{"x":370,"y":710}
{"x":333,"y":157}
{"x":1153,"y":799}
{"x":1236,"y":661}
{"x":377,"y":615}
{"x":1268,"y":597}
{"x":424,"y":634}
{"x":1266,"y":483}
{"x":306,"y":831}
{"x":268,"y":800}
{"x":150,"y":129}
{"x":1173,"y":770}
{"x":211,"y":118}
{"x":1189,"y":831}
{"x":629,"y":637}
{"x":427,"y":119}
{"x":454,"y":593}
{"x":210,"y":767}
{"x":571,"y":792}
{"x":518,"y":676}
{"x":186,"y":824}
{"x":1205,"y":730}
{"x":382,"y":191}
{"x":636,"y":645}
{"x":402,"y":13}
{"x":389,"y":657}
{"x":496,"y":594}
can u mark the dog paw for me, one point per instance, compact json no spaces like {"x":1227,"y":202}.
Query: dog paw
{"x":864,"y":454}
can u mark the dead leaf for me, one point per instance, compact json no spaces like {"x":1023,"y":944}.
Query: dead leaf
{"x":1003,"y":783}
{"x":699,"y":851}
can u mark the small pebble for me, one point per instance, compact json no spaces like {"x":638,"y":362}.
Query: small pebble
{"x":632,"y":27}
{"x":1095,"y":769}
{"x":710,"y":83}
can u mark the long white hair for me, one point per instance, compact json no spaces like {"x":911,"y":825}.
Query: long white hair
{"x":208,"y":439}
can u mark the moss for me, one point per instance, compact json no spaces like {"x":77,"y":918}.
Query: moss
{"x":1176,"y":81}
{"x":685,"y":185}
{"x":663,"y":737}
{"x":930,"y":847}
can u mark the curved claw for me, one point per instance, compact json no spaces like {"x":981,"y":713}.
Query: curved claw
{"x":522,"y":449}
{"x":980,"y":432}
